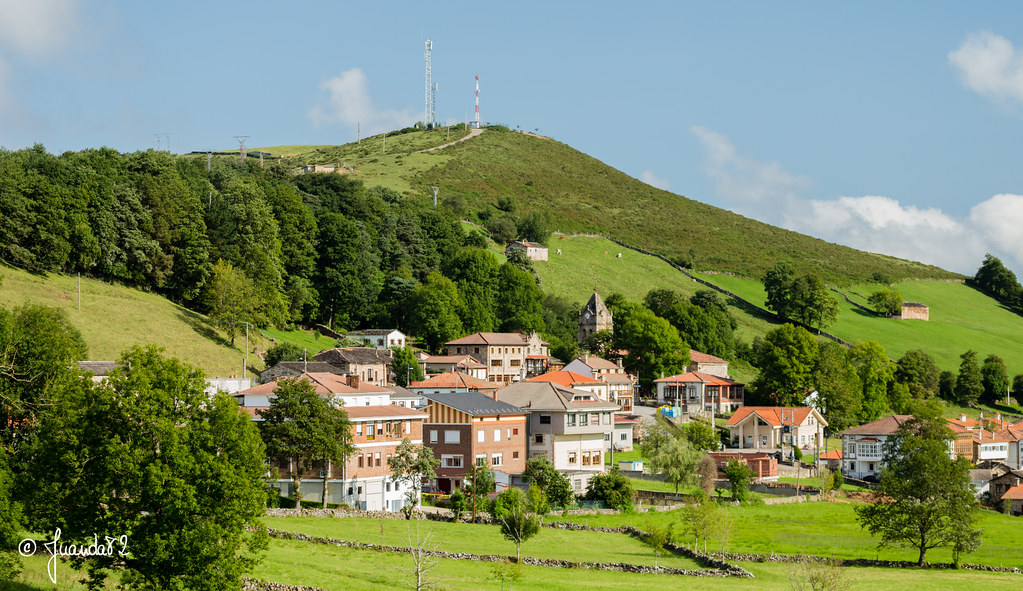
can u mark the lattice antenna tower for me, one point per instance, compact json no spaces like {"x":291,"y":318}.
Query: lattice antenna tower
{"x":476,"y":120}
{"x":241,"y":145}
{"x":430,"y":109}
{"x":433,"y":104}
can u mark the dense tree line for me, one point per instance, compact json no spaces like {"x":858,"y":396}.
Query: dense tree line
{"x":994,"y":279}
{"x":260,"y":245}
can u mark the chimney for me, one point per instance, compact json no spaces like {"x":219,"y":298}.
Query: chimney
{"x":962,"y":417}
{"x":352,"y":380}
{"x":495,"y":394}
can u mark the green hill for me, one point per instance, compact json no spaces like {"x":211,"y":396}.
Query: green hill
{"x":584,"y":195}
{"x":114,"y":317}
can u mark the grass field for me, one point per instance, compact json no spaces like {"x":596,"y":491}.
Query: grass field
{"x":830,"y":529}
{"x":579,"y":546}
{"x":342,"y":569}
{"x":961,"y":318}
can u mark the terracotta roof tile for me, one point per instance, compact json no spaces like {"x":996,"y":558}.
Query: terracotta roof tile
{"x":776,"y":416}
{"x":568,"y":379}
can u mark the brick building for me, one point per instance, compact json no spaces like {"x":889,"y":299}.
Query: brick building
{"x":469,"y":428}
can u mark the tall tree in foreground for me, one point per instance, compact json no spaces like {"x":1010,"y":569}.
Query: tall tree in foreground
{"x":306,"y":430}
{"x":148,"y":454}
{"x":410,"y":465}
{"x":925,"y":499}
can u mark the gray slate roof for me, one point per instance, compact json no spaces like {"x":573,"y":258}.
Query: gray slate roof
{"x":98,"y":368}
{"x":347,"y":355}
{"x":475,"y":404}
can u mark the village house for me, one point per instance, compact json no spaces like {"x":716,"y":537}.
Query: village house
{"x":534,"y":250}
{"x":1013,"y":437}
{"x":466,"y":364}
{"x":372,"y":365}
{"x":621,"y":386}
{"x":863,"y":446}
{"x":378,"y":427}
{"x":977,"y":445}
{"x":470,"y":428}
{"x":509,"y":356}
{"x":700,"y":393}
{"x":381,"y":338}
{"x":709,"y":364}
{"x":572,"y":428}
{"x":453,"y":382}
{"x":1002,"y":484}
{"x":768,"y":427}
{"x":405,"y":397}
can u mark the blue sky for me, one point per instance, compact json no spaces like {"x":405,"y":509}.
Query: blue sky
{"x":890,"y":128}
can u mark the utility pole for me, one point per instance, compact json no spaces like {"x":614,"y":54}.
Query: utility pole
{"x":241,"y":145}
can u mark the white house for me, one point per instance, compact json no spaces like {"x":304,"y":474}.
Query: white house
{"x":572,"y":428}
{"x":863,"y":451}
{"x":534,"y":251}
{"x":768,"y":427}
{"x":381,"y":338}
{"x":700,"y":393}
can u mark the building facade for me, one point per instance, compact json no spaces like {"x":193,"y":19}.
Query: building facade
{"x":469,"y":428}
{"x":593,"y":317}
{"x":506,"y":354}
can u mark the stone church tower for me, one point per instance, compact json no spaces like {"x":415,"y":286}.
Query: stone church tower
{"x":593,"y":317}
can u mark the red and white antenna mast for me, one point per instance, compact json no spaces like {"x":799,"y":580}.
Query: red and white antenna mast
{"x":476,"y":121}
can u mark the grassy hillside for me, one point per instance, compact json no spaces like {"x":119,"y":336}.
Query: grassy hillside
{"x":114,"y":318}
{"x":961,"y":318}
{"x":585,"y":195}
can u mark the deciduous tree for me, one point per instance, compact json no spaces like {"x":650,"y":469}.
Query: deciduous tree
{"x":786,"y":360}
{"x":924,"y":499}
{"x":406,"y":366}
{"x":149,"y":455}
{"x":410,"y":465}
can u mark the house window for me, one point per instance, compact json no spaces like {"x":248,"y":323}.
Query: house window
{"x":433,"y":436}
{"x":605,"y":418}
{"x":624,"y":437}
{"x":358,"y":429}
{"x":481,"y":436}
{"x":607,"y":437}
{"x":571,"y":419}
{"x":376,"y":458}
{"x":495,"y":363}
{"x":360,"y":465}
{"x":408,"y":424}
{"x":497,"y":435}
{"x":596,"y":458}
{"x":452,"y":437}
{"x":538,"y":438}
{"x":370,"y":431}
{"x":586,"y":459}
{"x":595,"y":418}
{"x":497,"y":460}
{"x":515,"y":362}
{"x":515,"y":455}
{"x":481,"y":460}
{"x":515,"y":431}
{"x":573,"y":457}
{"x":451,"y":461}
{"x":545,"y":419}
{"x":583,"y":420}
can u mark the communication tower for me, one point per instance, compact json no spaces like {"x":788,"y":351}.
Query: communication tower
{"x":430,"y":111}
{"x":476,"y":121}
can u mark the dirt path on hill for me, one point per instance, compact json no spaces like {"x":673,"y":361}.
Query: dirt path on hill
{"x":472,"y":133}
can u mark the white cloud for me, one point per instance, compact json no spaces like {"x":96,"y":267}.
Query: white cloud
{"x":990,"y":65}
{"x":37,"y":28}
{"x":348,"y":103}
{"x":648,"y":177}
{"x":751,"y":186}
{"x":872,"y":223}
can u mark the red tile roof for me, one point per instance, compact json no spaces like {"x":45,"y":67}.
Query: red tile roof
{"x":568,"y":379}
{"x":454,"y":379}
{"x":492,"y":338}
{"x":885,"y":426}
{"x":325,"y":383}
{"x":698,"y":357}
{"x":1015,"y":492}
{"x":696,"y":376}
{"x":776,"y":416}
{"x":835,"y":454}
